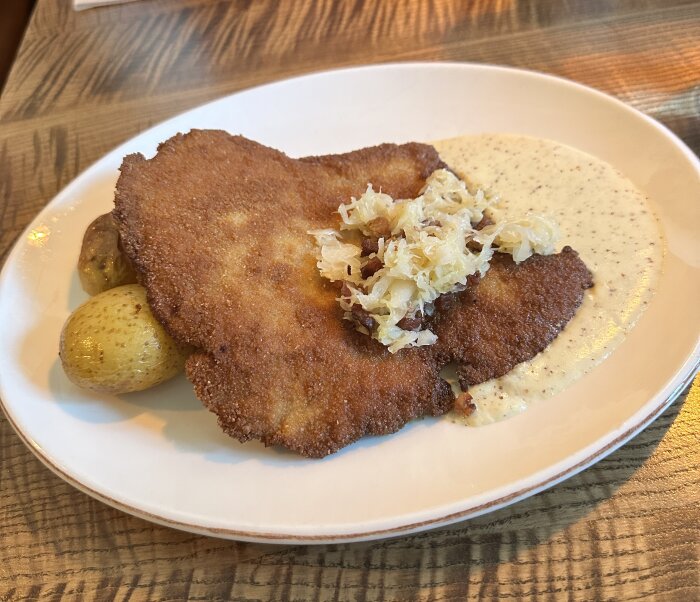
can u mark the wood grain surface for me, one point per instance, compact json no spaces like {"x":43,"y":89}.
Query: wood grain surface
{"x":625,"y":529}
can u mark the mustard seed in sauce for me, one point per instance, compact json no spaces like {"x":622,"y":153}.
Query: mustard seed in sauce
{"x":603,"y":216}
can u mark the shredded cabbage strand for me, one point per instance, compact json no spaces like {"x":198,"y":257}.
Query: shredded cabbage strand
{"x":422,"y":245}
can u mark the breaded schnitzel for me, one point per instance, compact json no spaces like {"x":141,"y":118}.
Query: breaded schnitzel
{"x":511,"y":315}
{"x":216,"y":226}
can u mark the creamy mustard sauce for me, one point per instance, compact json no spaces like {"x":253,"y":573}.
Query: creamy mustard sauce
{"x":602,"y":216}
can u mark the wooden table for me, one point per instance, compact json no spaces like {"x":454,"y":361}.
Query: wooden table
{"x":627,"y":528}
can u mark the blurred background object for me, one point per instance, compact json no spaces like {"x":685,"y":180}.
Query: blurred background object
{"x":83,"y":4}
{"x":14,"y":16}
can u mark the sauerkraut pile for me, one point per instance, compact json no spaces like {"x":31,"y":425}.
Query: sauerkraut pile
{"x":396,"y":257}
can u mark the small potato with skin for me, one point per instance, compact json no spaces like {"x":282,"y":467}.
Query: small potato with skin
{"x":113,"y":343}
{"x":102,"y":263}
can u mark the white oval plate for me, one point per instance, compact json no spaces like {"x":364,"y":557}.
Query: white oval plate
{"x":161,"y":456}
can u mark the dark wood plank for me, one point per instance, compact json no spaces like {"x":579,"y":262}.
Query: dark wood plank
{"x":13,"y":19}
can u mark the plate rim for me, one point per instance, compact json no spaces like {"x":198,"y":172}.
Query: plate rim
{"x":369,"y":535}
{"x":674,"y":385}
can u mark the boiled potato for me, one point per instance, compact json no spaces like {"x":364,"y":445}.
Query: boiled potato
{"x":102,"y":264}
{"x":113,"y":343}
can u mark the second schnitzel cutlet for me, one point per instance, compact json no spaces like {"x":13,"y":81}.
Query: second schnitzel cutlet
{"x":216,"y":226}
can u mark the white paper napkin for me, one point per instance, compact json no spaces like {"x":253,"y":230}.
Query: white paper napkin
{"x":83,"y":4}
